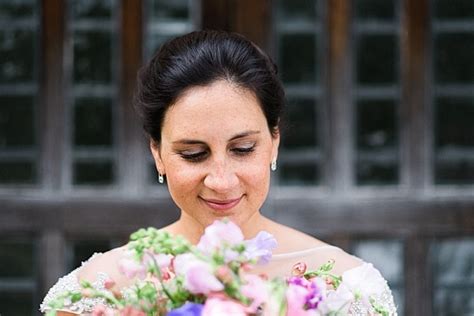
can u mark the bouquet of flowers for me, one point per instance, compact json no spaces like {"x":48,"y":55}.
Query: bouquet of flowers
{"x":175,"y":278}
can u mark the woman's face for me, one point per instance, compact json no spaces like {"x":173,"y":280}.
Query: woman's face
{"x":216,"y":149}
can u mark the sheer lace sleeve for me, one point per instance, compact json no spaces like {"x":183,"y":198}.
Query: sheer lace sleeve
{"x":70,"y":283}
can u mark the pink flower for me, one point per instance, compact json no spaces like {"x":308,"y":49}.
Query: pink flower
{"x":218,"y":234}
{"x":216,"y":306}
{"x":198,"y":275}
{"x":256,"y":290}
{"x":131,"y":268}
{"x":101,"y":310}
{"x":130,"y":311}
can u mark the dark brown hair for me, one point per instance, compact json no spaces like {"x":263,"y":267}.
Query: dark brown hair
{"x":199,"y":59}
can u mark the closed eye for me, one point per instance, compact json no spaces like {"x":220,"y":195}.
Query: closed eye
{"x":194,"y":157}
{"x":242,"y":151}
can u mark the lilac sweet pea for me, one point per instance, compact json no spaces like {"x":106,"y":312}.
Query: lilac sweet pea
{"x":260,"y":247}
{"x":305,"y":294}
{"x":188,"y":309}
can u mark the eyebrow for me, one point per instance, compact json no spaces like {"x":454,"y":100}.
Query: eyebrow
{"x":200,"y":142}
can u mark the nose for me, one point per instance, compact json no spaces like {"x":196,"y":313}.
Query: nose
{"x":221,"y":177}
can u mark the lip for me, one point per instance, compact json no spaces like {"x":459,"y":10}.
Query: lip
{"x":221,"y":205}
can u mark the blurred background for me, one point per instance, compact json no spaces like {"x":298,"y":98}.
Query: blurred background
{"x":377,"y":154}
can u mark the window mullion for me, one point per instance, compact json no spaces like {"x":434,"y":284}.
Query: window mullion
{"x":132,"y":163}
{"x":52,"y":94}
{"x":339,"y":139}
{"x":415,"y":108}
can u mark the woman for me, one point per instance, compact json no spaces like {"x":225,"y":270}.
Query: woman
{"x":211,"y":103}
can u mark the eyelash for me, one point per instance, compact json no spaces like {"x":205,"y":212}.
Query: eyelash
{"x":200,"y":156}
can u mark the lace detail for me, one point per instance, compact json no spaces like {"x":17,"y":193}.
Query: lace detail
{"x":71,"y":283}
{"x":383,"y":300}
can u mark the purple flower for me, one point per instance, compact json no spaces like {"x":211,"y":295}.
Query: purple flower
{"x":188,"y":309}
{"x":313,"y":292}
{"x":260,"y":247}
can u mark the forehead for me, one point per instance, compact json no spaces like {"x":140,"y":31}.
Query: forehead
{"x":221,"y":108}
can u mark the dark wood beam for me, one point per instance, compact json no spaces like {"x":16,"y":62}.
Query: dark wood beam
{"x":415,"y":107}
{"x":338,"y":142}
{"x":52,"y":98}
{"x":132,"y":171}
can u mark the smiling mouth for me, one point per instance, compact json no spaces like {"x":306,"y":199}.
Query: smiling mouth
{"x":221,"y":205}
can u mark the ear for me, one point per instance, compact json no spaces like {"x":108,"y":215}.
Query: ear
{"x":275,"y":144}
{"x":155,"y":151}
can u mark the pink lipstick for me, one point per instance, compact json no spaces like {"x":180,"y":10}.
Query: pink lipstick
{"x":221,"y":205}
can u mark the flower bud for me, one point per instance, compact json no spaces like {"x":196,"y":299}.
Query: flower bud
{"x":109,"y":283}
{"x":224,"y":274}
{"x":298,"y":269}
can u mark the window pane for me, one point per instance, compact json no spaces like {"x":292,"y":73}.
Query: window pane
{"x":374,"y":9}
{"x":167,"y":19}
{"x":377,"y":142}
{"x":92,"y":56}
{"x":387,"y":257}
{"x":93,"y":122}
{"x":453,"y":275}
{"x":377,"y":59}
{"x":17,"y":9}
{"x":16,"y":121}
{"x":299,"y":174}
{"x":301,"y":129}
{"x":297,"y":10}
{"x":17,"y":49}
{"x":298,"y":67}
{"x":17,"y":303}
{"x":94,"y":172}
{"x":92,"y":9}
{"x":376,"y":124}
{"x":17,"y":260}
{"x":170,"y":10}
{"x":449,"y":9}
{"x":454,"y":122}
{"x":453,"y":58}
{"x":84,"y":249}
{"x":17,"y":172}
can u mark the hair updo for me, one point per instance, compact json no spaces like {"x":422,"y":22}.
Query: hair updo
{"x":199,"y":59}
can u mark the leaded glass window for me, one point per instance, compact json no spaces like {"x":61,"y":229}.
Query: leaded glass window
{"x":299,"y":43}
{"x":376,"y":85}
{"x":453,"y":92}
{"x":92,"y":111}
{"x":19,"y":25}
{"x":453,"y":274}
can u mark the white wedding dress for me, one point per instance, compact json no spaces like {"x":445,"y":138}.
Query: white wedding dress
{"x":280,"y":265}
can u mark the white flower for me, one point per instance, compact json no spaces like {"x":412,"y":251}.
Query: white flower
{"x":363,"y":281}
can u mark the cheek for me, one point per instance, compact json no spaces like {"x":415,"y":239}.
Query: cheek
{"x":182,"y":180}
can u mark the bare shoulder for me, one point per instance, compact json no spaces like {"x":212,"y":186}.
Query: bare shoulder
{"x":107,"y":263}
{"x":291,"y":240}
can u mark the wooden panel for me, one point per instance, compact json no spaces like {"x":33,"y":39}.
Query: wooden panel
{"x":418,"y":293}
{"x":215,"y":15}
{"x":52,"y":261}
{"x":338,"y":142}
{"x":253,"y":20}
{"x":374,"y":217}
